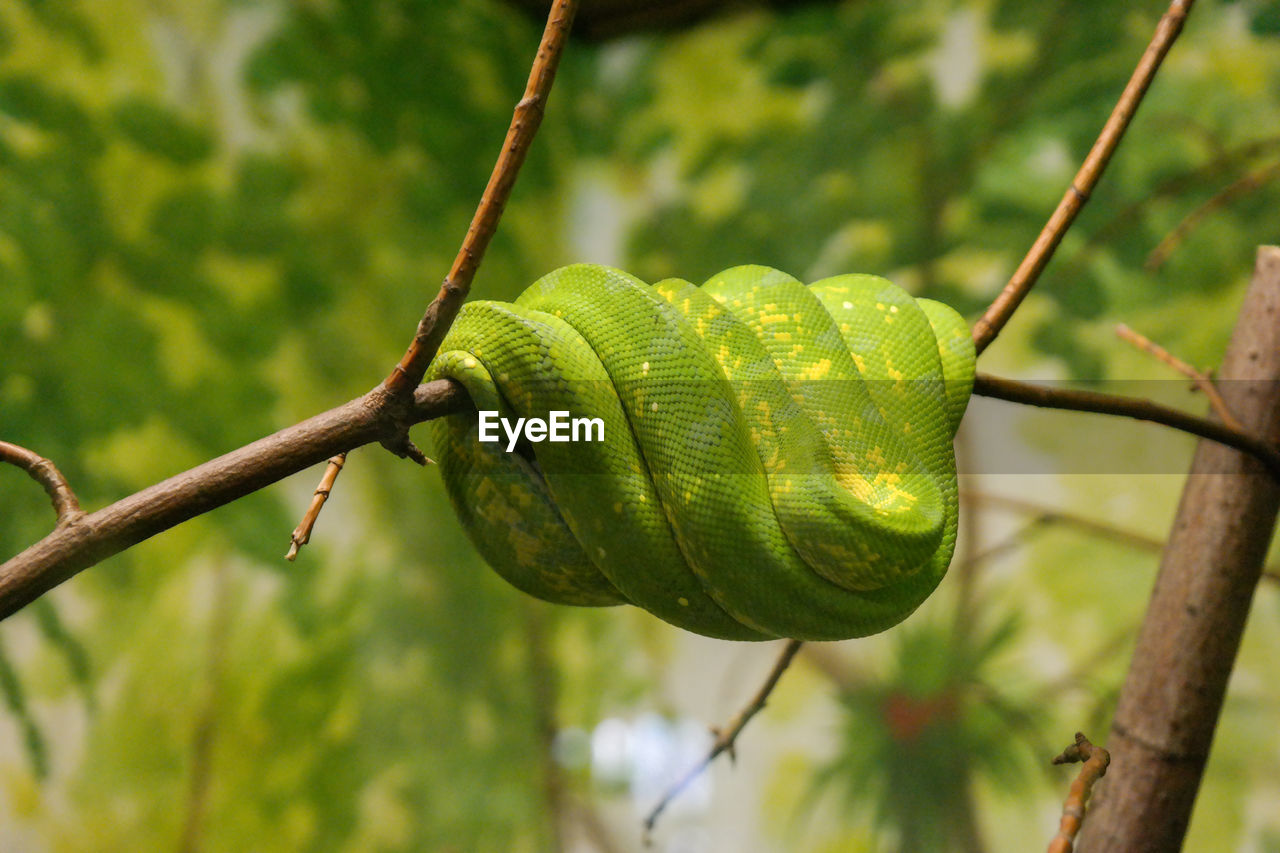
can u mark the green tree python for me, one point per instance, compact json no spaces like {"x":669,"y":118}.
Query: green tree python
{"x":776,"y":458}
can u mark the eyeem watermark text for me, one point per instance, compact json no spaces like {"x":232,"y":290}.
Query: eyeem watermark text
{"x":558,"y":427}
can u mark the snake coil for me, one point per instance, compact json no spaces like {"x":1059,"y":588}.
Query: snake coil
{"x":776,"y":458}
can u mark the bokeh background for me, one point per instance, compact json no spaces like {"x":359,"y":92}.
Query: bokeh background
{"x":218,"y":217}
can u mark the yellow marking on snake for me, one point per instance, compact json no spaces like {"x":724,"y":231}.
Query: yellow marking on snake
{"x":819,"y":370}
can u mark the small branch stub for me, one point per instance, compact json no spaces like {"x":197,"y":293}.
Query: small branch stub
{"x":44,"y":472}
{"x":1095,"y":760}
{"x":302,"y":533}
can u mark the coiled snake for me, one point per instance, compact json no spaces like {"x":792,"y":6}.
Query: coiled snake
{"x":776,"y":458}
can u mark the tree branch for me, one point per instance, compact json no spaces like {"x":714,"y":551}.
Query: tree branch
{"x":1130,"y":407}
{"x":457,"y":284}
{"x":44,"y":472}
{"x":444,"y":308}
{"x":1028,"y":272}
{"x":89,"y":538}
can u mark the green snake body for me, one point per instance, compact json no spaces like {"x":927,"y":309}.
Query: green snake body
{"x":776,"y":460}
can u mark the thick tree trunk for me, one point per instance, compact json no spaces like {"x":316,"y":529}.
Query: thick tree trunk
{"x":1172,"y":696}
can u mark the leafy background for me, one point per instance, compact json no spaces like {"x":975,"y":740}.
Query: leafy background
{"x":220,"y":216}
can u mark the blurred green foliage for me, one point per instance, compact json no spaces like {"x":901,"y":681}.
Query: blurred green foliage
{"x":219,"y":217}
{"x":918,"y":736}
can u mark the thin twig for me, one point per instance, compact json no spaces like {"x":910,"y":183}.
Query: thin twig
{"x":1128,"y":217}
{"x":1240,"y":187}
{"x":302,"y":533}
{"x":457,"y":284}
{"x":444,"y":308}
{"x":1053,"y":515}
{"x":1144,"y":410}
{"x":1095,"y":760}
{"x":44,"y":472}
{"x":726,"y":737}
{"x":1049,"y":693}
{"x":1200,"y":377}
{"x":1024,"y":278}
{"x":1045,"y":514}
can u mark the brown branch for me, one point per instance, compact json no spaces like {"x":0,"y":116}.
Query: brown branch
{"x":302,"y":533}
{"x":90,"y":538}
{"x":87,"y":539}
{"x":440,"y":314}
{"x":1027,"y":273}
{"x":1200,"y":377}
{"x":457,"y":284}
{"x":1175,"y":238}
{"x":1095,"y":760}
{"x":1131,"y":407}
{"x":726,"y":737}
{"x":44,"y":472}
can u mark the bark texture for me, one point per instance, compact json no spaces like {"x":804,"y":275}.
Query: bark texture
{"x":1169,"y":705}
{"x":89,"y":538}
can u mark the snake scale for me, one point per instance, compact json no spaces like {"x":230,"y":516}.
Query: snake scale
{"x":776,"y":458}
